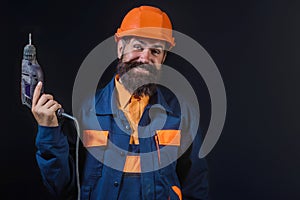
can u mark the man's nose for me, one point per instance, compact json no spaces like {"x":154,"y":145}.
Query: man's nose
{"x":145,"y":56}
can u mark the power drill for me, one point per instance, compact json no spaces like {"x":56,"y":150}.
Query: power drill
{"x":31,"y":74}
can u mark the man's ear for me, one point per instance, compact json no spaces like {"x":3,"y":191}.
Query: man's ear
{"x":120,"y":48}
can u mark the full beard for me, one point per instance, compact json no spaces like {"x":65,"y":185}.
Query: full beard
{"x":138,"y":83}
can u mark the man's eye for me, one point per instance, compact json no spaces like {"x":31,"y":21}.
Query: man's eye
{"x":156,"y":51}
{"x":138,"y":47}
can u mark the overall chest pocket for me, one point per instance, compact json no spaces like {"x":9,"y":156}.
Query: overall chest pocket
{"x":167,"y":145}
{"x":168,"y":137}
{"x":94,"y":138}
{"x":95,"y":141}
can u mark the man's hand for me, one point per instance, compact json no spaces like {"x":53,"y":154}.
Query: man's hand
{"x":44,"y":107}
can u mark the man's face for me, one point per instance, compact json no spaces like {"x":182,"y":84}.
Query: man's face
{"x":140,"y":63}
{"x":144,"y":50}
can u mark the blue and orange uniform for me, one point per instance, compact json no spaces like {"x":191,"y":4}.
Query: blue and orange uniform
{"x":137,"y":148}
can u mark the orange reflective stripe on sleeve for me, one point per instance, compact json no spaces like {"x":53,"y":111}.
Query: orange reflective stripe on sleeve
{"x":177,"y":191}
{"x":132,"y":164}
{"x":169,"y":137}
{"x":93,"y":138}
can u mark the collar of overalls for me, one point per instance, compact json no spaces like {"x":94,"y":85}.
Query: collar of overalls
{"x":105,"y":97}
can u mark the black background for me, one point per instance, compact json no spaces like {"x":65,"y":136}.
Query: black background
{"x":255,"y":45}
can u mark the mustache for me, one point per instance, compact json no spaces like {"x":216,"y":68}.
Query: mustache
{"x":135,"y":82}
{"x":124,"y":67}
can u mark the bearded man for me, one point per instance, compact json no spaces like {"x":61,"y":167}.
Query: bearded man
{"x":126,"y":155}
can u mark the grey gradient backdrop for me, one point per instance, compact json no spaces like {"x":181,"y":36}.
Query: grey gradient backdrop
{"x":255,"y":45}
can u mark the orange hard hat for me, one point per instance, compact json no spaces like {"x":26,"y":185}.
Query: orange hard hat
{"x":148,"y":22}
